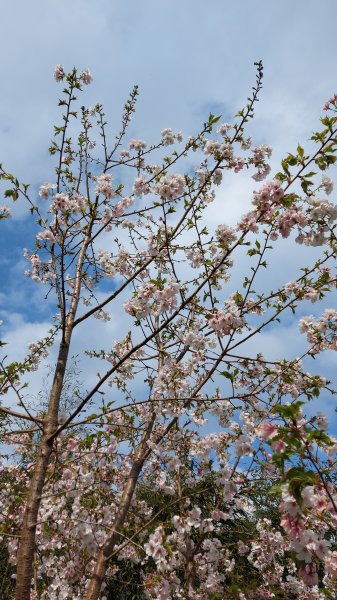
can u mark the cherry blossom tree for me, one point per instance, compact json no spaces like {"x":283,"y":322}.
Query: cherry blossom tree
{"x":157,"y":460}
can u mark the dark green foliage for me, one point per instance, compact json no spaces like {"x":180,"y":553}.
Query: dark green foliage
{"x":6,"y":572}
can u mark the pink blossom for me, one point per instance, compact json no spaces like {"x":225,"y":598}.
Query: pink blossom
{"x":171,"y":186}
{"x":61,"y":202}
{"x":211,"y":146}
{"x":327,"y":184}
{"x":309,"y":574}
{"x":104,"y":185}
{"x":239,"y":164}
{"x":86,"y":77}
{"x":293,"y":526}
{"x":223,"y":128}
{"x":330,"y":564}
{"x":168,"y":137}
{"x":278,"y":446}
{"x":46,"y":235}
{"x":5,"y":212}
{"x":194,"y":517}
{"x":225,"y":234}
{"x":137,"y":145}
{"x":321,"y":421}
{"x":217,"y":176}
{"x":141,"y":187}
{"x":224,"y":321}
{"x":249,"y":222}
{"x":266,"y":431}
{"x":154,"y":547}
{"x":59,"y":73}
{"x":44,"y":190}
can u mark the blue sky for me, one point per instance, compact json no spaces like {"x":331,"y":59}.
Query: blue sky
{"x":188,"y":58}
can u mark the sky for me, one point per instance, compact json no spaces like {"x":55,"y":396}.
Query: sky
{"x":189,"y":58}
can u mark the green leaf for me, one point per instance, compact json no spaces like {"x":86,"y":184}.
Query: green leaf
{"x":285,"y":167}
{"x":291,"y":411}
{"x":298,"y":478}
{"x":212,"y":119}
{"x":292,"y":160}
{"x":320,"y":436}
{"x":227,"y":374}
{"x":300,"y":151}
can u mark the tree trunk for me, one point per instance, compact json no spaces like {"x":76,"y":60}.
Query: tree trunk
{"x":27,"y":537}
{"x":98,"y":576}
{"x":25,"y":557}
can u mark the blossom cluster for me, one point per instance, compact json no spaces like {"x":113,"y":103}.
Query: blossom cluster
{"x":141,"y":186}
{"x":65,"y":203}
{"x":223,"y":322}
{"x":59,"y":75}
{"x":150,"y":299}
{"x":138,"y":145}
{"x":322,"y":332}
{"x":104,"y":185}
{"x":225,"y":234}
{"x":45,"y":189}
{"x":171,"y":186}
{"x":169,"y":138}
{"x":331,"y":103}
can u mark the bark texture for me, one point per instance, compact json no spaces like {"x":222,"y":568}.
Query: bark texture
{"x":26,"y":549}
{"x":25,"y":558}
{"x":103,"y":557}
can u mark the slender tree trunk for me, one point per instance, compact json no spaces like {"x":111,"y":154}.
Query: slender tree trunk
{"x":25,"y":557}
{"x":98,"y":576}
{"x":27,"y":538}
{"x":103,"y":557}
{"x":26,"y":549}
